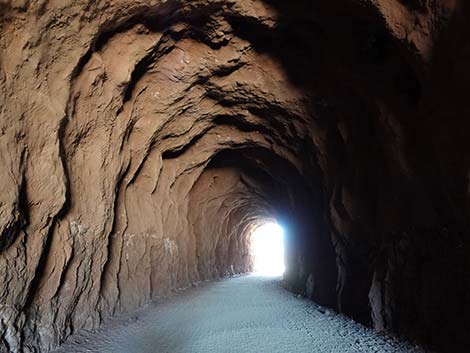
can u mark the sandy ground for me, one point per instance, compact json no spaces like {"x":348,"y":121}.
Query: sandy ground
{"x":248,"y":314}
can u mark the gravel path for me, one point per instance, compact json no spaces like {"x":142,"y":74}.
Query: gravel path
{"x":243,"y":314}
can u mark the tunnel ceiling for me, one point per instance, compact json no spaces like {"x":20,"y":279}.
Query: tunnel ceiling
{"x":141,"y":141}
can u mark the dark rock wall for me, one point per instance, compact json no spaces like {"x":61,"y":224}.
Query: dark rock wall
{"x":141,"y":141}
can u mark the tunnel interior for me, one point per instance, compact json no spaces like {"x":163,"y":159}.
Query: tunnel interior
{"x":143,"y":142}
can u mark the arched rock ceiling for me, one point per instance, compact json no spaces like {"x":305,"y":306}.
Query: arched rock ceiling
{"x":141,"y":141}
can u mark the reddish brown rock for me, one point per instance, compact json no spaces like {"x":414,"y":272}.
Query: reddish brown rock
{"x":141,"y":141}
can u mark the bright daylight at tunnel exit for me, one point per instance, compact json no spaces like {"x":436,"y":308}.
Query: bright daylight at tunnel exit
{"x":267,"y":248}
{"x":234,"y":176}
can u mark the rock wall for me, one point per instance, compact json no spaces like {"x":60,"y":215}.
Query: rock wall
{"x":141,"y":141}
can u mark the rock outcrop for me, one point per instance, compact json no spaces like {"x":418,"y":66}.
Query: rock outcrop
{"x":141,"y":141}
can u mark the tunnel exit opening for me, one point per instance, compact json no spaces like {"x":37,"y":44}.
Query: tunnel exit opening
{"x":267,"y":249}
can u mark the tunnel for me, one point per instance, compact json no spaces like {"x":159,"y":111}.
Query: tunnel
{"x":142,"y":143}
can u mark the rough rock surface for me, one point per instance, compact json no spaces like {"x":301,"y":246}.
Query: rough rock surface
{"x":247,"y":314}
{"x":140,"y":141}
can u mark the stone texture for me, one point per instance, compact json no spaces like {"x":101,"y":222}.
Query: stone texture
{"x":140,"y":141}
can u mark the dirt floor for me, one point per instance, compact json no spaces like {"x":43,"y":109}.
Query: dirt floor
{"x":242,"y":314}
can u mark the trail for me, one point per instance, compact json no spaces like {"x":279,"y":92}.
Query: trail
{"x":248,"y":314}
